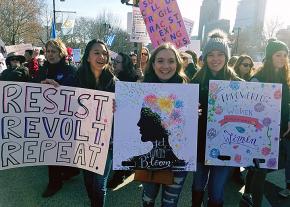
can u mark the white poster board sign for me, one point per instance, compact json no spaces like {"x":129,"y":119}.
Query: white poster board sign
{"x":243,"y":123}
{"x":20,"y":49}
{"x":155,"y":126}
{"x":138,"y":29}
{"x":43,"y":125}
{"x":188,"y":23}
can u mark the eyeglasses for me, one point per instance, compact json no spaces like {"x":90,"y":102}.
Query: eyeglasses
{"x":247,"y":65}
{"x":145,"y":54}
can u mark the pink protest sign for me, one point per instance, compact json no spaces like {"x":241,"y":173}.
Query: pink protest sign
{"x":164,"y":22}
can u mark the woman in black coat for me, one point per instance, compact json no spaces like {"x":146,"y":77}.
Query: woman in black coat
{"x":56,"y":72}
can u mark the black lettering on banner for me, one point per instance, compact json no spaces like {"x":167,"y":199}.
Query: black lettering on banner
{"x":95,"y":150}
{"x":28,"y":151}
{"x":50,"y":129}
{"x":62,"y":151}
{"x":31,"y":102}
{"x":66,"y":129}
{"x":83,"y":115}
{"x":10,"y":93}
{"x":78,"y":135}
{"x":100,"y":102}
{"x":8,"y":123}
{"x":45,"y":146}
{"x":67,"y":101}
{"x":7,"y":151}
{"x":30,"y":127}
{"x":50,"y":110}
{"x":99,"y":129}
{"x":80,"y":155}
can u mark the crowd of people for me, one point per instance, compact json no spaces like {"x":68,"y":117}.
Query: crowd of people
{"x":165,"y":64}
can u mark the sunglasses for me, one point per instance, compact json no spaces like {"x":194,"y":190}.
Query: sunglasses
{"x":247,"y":65}
{"x":145,"y":54}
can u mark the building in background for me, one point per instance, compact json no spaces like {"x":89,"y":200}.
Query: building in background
{"x":284,"y":35}
{"x":250,"y":13}
{"x":248,"y":32}
{"x":209,"y":12}
{"x":222,"y":24}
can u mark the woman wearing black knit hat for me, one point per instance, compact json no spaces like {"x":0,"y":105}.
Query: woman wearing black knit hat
{"x":215,"y":56}
{"x":275,"y":69}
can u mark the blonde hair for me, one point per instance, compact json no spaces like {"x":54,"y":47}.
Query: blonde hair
{"x":57,"y":43}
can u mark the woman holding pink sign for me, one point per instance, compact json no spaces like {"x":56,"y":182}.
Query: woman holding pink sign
{"x":215,"y":57}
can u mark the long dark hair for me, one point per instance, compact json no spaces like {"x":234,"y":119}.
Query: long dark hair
{"x":267,"y":73}
{"x":128,"y":72}
{"x":85,"y":74}
{"x":238,"y":64}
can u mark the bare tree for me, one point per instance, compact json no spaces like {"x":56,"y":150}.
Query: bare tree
{"x":19,"y":20}
{"x":272,"y":26}
{"x":104,"y":25}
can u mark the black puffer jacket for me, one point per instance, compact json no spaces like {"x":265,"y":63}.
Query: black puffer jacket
{"x":61,"y":72}
{"x":19,"y":74}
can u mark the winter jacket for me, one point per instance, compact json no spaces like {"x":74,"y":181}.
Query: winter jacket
{"x":285,"y":101}
{"x":61,"y":72}
{"x":203,"y":101}
{"x":19,"y":74}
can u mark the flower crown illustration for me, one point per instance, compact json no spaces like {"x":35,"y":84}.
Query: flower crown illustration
{"x":169,"y":109}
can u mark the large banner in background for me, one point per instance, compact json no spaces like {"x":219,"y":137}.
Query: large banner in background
{"x":164,"y":22}
{"x":243,"y":123}
{"x":43,"y":125}
{"x":155,"y":126}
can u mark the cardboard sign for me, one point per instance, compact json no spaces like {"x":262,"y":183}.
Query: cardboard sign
{"x":243,"y":123}
{"x":20,"y":49}
{"x":138,"y":30}
{"x":43,"y":125}
{"x":155,"y":126}
{"x":164,"y":22}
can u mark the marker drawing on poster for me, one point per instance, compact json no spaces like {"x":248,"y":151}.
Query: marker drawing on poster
{"x":43,"y":125}
{"x":243,"y":123}
{"x":155,"y":126}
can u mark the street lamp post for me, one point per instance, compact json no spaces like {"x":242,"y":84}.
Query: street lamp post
{"x":237,"y":39}
{"x":54,"y":11}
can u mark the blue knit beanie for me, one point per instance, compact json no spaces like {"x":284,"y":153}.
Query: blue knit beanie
{"x":217,"y":41}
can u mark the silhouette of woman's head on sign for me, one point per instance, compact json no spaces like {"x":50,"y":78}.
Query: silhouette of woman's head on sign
{"x":161,"y":116}
{"x":151,"y":128}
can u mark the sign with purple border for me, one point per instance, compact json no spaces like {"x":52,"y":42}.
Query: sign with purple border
{"x":64,"y":126}
{"x":243,"y":124}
